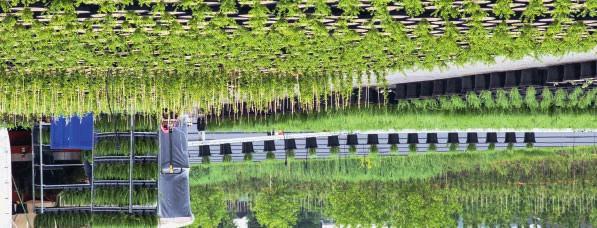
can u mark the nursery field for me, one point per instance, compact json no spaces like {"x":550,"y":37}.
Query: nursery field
{"x":415,"y":166}
{"x":388,"y":119}
{"x":548,"y":186}
{"x":546,"y":108}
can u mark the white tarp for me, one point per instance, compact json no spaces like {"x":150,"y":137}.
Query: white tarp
{"x":5,"y":180}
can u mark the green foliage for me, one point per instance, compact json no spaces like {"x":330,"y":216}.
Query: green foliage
{"x":393,"y":149}
{"x":534,"y":9}
{"x":270,"y":155}
{"x":546,"y":100}
{"x":119,"y":146}
{"x":487,"y":100}
{"x":334,"y":150}
{"x":530,"y":99}
{"x":51,"y":220}
{"x":432,"y":147}
{"x":471,"y":147}
{"x":515,"y":99}
{"x":412,"y":148}
{"x":373,"y":149}
{"x":290,"y":153}
{"x":501,"y":100}
{"x":502,"y":9}
{"x":274,"y":207}
{"x":227,"y":158}
{"x":312,"y":152}
{"x":393,"y":118}
{"x":105,"y":196}
{"x":413,"y":8}
{"x":444,"y":9}
{"x":206,"y":160}
{"x":415,"y":166}
{"x":574,"y":98}
{"x":559,"y":100}
{"x":473,"y":101}
{"x":352,"y":149}
{"x":208,"y":206}
{"x":589,"y":8}
{"x":453,"y":147}
{"x":491,"y":146}
{"x":120,"y":171}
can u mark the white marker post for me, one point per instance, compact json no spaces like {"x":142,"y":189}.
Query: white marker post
{"x":5,"y":180}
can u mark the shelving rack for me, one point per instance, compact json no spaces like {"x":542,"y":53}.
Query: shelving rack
{"x":131,"y":183}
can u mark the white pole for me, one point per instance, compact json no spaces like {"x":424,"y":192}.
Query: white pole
{"x":5,"y":180}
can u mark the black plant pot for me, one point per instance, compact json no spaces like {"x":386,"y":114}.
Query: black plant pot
{"x":412,"y":90}
{"x":400,"y":91}
{"x":496,"y":80}
{"x":412,"y":138}
{"x":393,"y":139}
{"x":426,"y":89}
{"x":439,"y":88}
{"x":333,"y":141}
{"x":453,"y":137}
{"x":471,"y":137}
{"x":204,"y":151}
{"x":432,"y":138}
{"x":491,"y":137}
{"x":311,"y":142}
{"x":529,"y":137}
{"x":453,"y":85}
{"x":289,"y":144}
{"x":225,"y":149}
{"x":247,"y":148}
{"x":587,"y":69}
{"x":352,"y":140}
{"x":571,"y":71}
{"x":510,"y":137}
{"x":481,"y":82}
{"x":372,"y":139}
{"x":467,"y":84}
{"x":553,"y":74}
{"x":511,"y":79}
{"x":528,"y":77}
{"x":269,"y":146}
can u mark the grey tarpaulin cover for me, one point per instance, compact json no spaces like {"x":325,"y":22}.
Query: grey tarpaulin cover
{"x":175,"y":152}
{"x":174,"y":196}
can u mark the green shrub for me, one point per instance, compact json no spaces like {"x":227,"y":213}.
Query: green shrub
{"x":574,"y":98}
{"x":515,"y":99}
{"x":530,"y":99}
{"x":473,"y":101}
{"x":560,"y":99}
{"x":546,"y":100}
{"x":457,"y":103}
{"x":487,"y":100}
{"x":501,"y":100}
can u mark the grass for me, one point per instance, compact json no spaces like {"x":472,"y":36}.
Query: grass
{"x":108,"y":196}
{"x":108,"y":146}
{"x":118,"y":171}
{"x":52,"y":220}
{"x":394,"y":168}
{"x":380,"y":119}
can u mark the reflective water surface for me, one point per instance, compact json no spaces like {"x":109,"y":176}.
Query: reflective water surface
{"x":546,"y":192}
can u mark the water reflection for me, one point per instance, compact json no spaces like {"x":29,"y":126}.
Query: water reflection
{"x":545,"y":194}
{"x":399,"y":204}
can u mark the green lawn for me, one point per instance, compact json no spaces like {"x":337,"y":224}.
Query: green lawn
{"x":372,"y":119}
